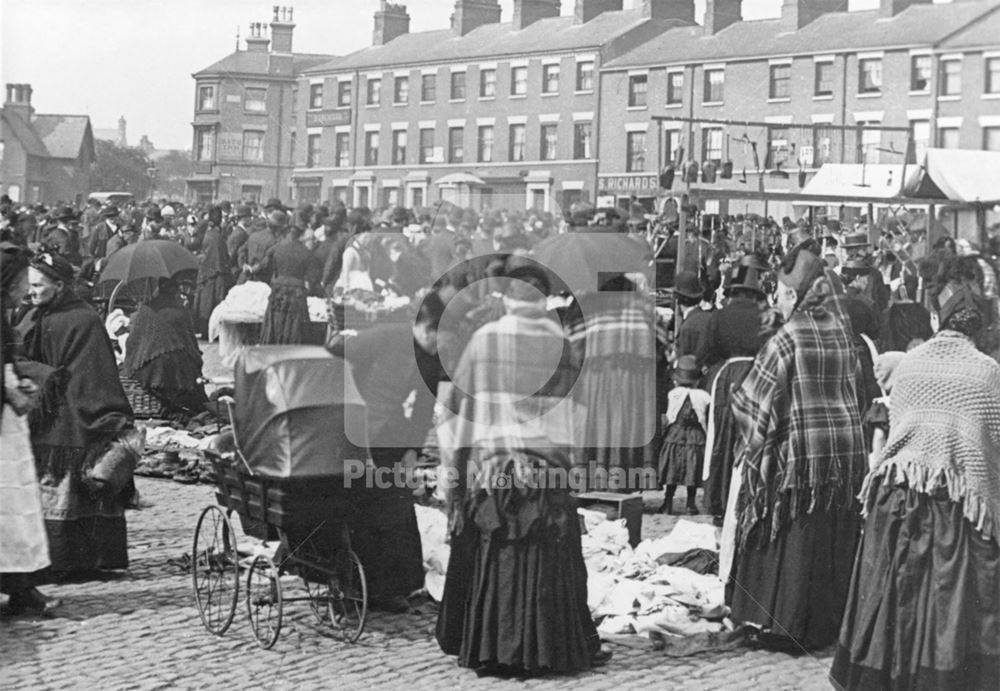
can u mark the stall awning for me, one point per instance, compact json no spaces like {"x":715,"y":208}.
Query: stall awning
{"x":963,"y":175}
{"x":877,"y":181}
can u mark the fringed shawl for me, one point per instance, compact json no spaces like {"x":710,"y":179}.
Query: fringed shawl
{"x":945,"y":429}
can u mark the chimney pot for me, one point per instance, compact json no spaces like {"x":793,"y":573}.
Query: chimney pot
{"x":721,"y":13}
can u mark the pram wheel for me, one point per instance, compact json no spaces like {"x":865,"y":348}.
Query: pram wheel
{"x":215,"y":570}
{"x":348,"y":596}
{"x":264,"y":601}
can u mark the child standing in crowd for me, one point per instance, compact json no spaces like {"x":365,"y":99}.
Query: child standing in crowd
{"x":683,"y":450}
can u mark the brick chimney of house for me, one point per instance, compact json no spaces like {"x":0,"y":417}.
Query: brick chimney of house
{"x":585,"y":10}
{"x":795,"y":14}
{"x":889,"y":8}
{"x":281,"y":30}
{"x":721,"y":13}
{"x":527,"y":12}
{"x":470,"y":14}
{"x":391,"y":21}
{"x":19,"y":100}
{"x":682,"y":10}
{"x":257,"y":40}
{"x":122,"y":138}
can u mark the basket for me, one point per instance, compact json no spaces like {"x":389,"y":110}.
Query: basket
{"x":144,"y":404}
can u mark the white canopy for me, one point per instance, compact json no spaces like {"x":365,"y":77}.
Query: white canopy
{"x":963,"y":175}
{"x":854,"y":180}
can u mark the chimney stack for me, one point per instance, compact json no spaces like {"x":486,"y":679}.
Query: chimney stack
{"x":19,"y":99}
{"x":257,"y":40}
{"x":470,"y":14}
{"x":721,"y":13}
{"x":681,"y":10}
{"x":281,"y":30}
{"x":527,"y":12}
{"x":122,"y":139}
{"x":391,"y":21}
{"x":585,"y":10}
{"x":890,"y":8}
{"x":795,"y":14}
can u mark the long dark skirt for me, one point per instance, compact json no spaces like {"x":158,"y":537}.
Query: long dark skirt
{"x":86,"y":531}
{"x":173,"y":379}
{"x":924,"y":604}
{"x":286,"y":317}
{"x":526,"y":598}
{"x":385,"y":535}
{"x":209,"y":294}
{"x":794,"y":587}
{"x":683,"y":452}
{"x":716,"y":487}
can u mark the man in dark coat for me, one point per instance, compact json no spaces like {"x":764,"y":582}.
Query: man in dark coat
{"x":251,"y":257}
{"x":239,"y":231}
{"x":692,"y":337}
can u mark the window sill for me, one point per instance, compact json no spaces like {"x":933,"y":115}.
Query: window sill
{"x":342,"y":106}
{"x":214,"y":111}
{"x":950,"y":97}
{"x":712,"y":104}
{"x":585,"y":92}
{"x":786,"y":99}
{"x":870,"y":94}
{"x":314,"y":108}
{"x":673,"y":105}
{"x":515,"y":96}
{"x":372,"y":105}
{"x":823,"y":97}
{"x":397,"y":104}
{"x":427,"y":103}
{"x":487,"y":98}
{"x":637,"y":108}
{"x":254,"y":112}
{"x":990,"y":97}
{"x":456,"y":100}
{"x":549,"y":94}
{"x":920,"y":92}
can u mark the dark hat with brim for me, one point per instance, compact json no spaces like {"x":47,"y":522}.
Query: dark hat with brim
{"x":53,"y":265}
{"x":275,"y":204}
{"x":65,"y":213}
{"x":109,"y":211}
{"x":686,"y":371}
{"x":688,"y":285}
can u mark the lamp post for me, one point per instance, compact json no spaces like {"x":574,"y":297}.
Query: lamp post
{"x":151,"y":172}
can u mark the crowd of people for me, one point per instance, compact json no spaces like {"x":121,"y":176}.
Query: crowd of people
{"x":829,"y":396}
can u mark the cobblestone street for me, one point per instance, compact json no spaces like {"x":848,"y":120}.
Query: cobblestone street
{"x":142,"y":631}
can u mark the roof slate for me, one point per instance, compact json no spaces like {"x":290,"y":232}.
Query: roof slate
{"x":256,"y":62}
{"x":26,"y":134}
{"x":984,"y":32}
{"x":833,"y":32}
{"x":554,"y":34}
{"x":63,"y":134}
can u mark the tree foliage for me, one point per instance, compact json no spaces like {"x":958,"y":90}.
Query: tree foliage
{"x":121,"y":169}
{"x":172,"y":169}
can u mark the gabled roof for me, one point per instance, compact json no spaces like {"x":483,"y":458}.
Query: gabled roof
{"x":256,"y":62}
{"x":918,"y":25}
{"x":982,"y":33}
{"x":554,"y":34}
{"x":25,"y":133}
{"x":63,"y":135}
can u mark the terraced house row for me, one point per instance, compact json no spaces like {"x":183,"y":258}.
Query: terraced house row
{"x":544,"y":110}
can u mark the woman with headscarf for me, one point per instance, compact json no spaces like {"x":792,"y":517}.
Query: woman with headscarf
{"x":24,"y":547}
{"x":162,"y":353}
{"x":924,"y":604}
{"x":800,"y":459}
{"x":82,"y":413}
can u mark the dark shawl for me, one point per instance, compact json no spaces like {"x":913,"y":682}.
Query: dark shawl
{"x":160,"y":328}
{"x":90,"y":407}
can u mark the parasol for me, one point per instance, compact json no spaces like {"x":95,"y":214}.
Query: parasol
{"x":137,"y":268}
{"x":580,"y":259}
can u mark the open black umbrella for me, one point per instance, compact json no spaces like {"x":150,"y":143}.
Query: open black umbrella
{"x":582,"y":261}
{"x":136,"y":269}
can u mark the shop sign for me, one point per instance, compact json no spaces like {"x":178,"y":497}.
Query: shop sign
{"x":646,"y":185}
{"x":230,"y":146}
{"x":329,"y":118}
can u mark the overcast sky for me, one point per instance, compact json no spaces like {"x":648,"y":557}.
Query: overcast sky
{"x":107,"y":58}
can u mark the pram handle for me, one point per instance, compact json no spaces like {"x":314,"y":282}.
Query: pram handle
{"x":229,"y":401}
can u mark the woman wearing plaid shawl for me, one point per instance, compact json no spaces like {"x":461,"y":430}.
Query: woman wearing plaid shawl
{"x":515,"y":599}
{"x":801,"y":460}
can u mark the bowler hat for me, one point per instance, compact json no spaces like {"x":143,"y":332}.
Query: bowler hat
{"x":747,"y":275}
{"x":274,"y":204}
{"x":686,"y":371}
{"x":856,"y":239}
{"x":688,"y":285}
{"x":65,"y":213}
{"x":277,"y":218}
{"x":110,"y":211}
{"x":242,"y":211}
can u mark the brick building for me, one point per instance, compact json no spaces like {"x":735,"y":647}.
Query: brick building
{"x":931,"y":70}
{"x":244,"y":115}
{"x":485,"y":113}
{"x":43,"y":158}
